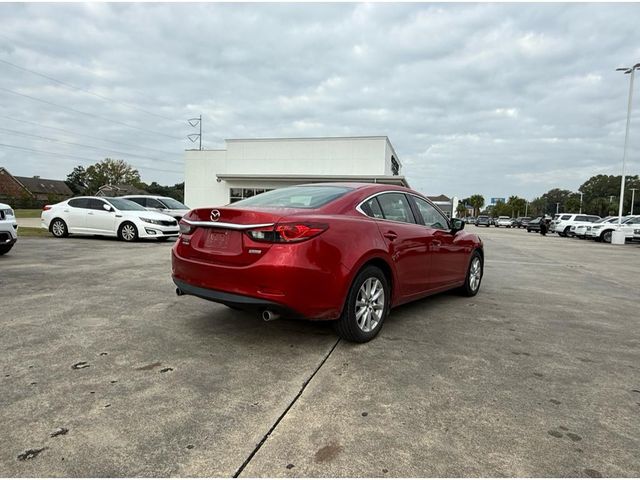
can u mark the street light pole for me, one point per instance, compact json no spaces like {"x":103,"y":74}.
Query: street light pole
{"x":633,"y":198}
{"x":557,"y":207}
{"x":619,"y":235}
{"x":580,"y":202}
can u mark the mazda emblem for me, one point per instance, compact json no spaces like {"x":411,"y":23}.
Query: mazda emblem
{"x":215,"y":215}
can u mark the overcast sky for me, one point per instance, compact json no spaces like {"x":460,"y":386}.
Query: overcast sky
{"x":493,"y":99}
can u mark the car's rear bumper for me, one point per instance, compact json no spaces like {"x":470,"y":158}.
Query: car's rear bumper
{"x":290,"y":283}
{"x":234,"y":300}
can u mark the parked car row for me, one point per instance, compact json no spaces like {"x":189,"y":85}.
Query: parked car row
{"x":128,"y":218}
{"x":501,"y":221}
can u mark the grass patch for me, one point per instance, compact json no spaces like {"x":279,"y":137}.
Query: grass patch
{"x":33,"y":232}
{"x":27,"y":213}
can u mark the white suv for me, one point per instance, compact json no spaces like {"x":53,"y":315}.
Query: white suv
{"x":504,"y":221}
{"x":563,"y":222}
{"x":8,"y":228}
{"x":107,"y":216}
{"x":602,"y":232}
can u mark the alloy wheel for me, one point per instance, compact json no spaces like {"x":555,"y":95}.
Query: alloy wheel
{"x":128,"y":232}
{"x":369,"y":307}
{"x":475,"y":274}
{"x":58,"y":228}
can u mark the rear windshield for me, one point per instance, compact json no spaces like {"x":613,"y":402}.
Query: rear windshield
{"x":295,"y":197}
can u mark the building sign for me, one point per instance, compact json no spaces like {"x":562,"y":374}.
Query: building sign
{"x":498,"y":200}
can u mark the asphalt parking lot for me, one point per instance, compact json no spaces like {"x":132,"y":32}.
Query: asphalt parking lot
{"x":539,"y":375}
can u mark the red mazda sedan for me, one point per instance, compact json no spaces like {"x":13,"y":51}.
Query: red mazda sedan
{"x":347,"y":252}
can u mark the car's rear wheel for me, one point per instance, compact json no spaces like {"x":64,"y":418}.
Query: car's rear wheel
{"x":474,"y":275}
{"x":59,"y":228}
{"x":366,"y":307}
{"x":5,"y":249}
{"x":128,"y":232}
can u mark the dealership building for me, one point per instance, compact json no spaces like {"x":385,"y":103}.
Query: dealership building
{"x":247,"y":167}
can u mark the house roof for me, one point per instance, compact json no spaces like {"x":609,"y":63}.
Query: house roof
{"x":120,"y":189}
{"x":37,"y":185}
{"x":440,"y":198}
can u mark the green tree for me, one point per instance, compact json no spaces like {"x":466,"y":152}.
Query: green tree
{"x":461,"y":210}
{"x":477,"y":202}
{"x":77,"y":180}
{"x":110,"y":172}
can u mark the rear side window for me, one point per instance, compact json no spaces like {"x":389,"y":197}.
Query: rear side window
{"x":395,"y":206}
{"x":432,"y":217}
{"x":372,"y":208}
{"x":79,"y":202}
{"x":582,"y":218}
{"x":295,"y":197}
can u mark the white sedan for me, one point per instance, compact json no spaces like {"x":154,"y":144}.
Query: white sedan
{"x":107,"y":216}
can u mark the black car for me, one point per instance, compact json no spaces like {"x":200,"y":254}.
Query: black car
{"x":534,"y":225}
{"x":522,"y":222}
{"x":483,"y":220}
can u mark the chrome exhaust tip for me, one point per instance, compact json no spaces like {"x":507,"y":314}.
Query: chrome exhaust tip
{"x":268,"y":315}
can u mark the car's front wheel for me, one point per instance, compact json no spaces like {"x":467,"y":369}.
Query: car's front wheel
{"x":59,"y":228}
{"x":606,"y":236}
{"x":128,"y":232}
{"x":5,"y":249}
{"x":474,"y":275}
{"x":366,"y":307}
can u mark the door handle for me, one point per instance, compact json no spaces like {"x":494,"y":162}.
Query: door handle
{"x":391,"y":235}
{"x":89,"y":213}
{"x":436,"y":243}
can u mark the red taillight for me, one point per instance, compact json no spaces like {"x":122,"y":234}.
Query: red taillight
{"x":46,"y":207}
{"x":186,"y":228}
{"x":288,"y":232}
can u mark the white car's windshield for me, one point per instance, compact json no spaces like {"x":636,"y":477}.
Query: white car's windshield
{"x":123,"y":204}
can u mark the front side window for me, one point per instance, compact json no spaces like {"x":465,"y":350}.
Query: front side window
{"x":139,"y":200}
{"x":125,"y":205}
{"x":431,"y":216}
{"x":153,"y":203}
{"x":395,"y":206}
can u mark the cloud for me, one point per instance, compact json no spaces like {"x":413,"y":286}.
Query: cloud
{"x":496,"y":99}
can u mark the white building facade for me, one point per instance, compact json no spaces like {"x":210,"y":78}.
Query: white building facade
{"x":247,"y":167}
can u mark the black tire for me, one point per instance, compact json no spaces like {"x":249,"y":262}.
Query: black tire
{"x":606,"y":236}
{"x":468,"y":289}
{"x":566,"y":231}
{"x":528,"y":230}
{"x":5,"y":249}
{"x":58,"y":228}
{"x":128,"y":232}
{"x":347,"y":326}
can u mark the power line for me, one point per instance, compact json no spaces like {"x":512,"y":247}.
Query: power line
{"x":89,"y":114}
{"x":101,"y":149}
{"x":78,"y":157}
{"x":85,"y":135}
{"x":68,"y":85}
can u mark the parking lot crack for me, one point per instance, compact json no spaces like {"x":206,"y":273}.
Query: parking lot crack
{"x":284,"y":413}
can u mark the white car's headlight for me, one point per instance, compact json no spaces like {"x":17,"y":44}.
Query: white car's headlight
{"x":149,"y":220}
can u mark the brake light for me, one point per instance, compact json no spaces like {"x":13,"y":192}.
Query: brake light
{"x":288,"y":232}
{"x":46,"y":207}
{"x":185,"y":228}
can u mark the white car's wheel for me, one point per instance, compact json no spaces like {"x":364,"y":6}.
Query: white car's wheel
{"x":59,"y":228}
{"x":128,"y":232}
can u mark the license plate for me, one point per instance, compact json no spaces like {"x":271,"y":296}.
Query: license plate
{"x":217,"y":239}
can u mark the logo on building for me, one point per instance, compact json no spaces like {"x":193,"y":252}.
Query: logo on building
{"x":215,"y":215}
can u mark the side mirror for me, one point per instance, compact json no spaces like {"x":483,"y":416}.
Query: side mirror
{"x":456,"y":225}
{"x":108,"y":208}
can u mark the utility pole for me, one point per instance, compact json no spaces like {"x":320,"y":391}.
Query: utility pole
{"x":526,"y":208}
{"x":633,"y":198}
{"x":196,"y":122}
{"x":618,"y":237}
{"x":557,"y":207}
